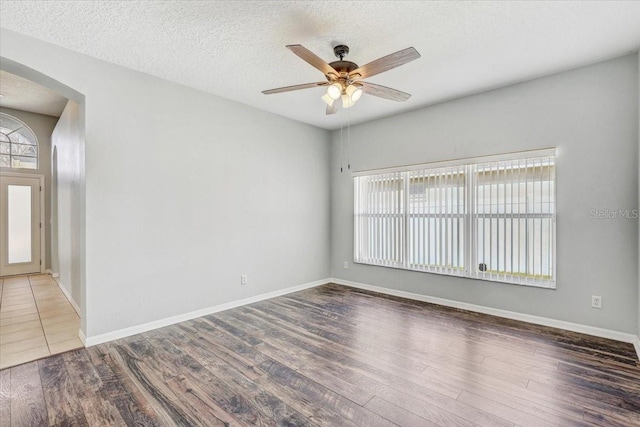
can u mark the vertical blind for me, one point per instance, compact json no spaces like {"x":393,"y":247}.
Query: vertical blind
{"x":514,"y":219}
{"x":379,"y":219}
{"x":436,"y":220}
{"x":492,"y":220}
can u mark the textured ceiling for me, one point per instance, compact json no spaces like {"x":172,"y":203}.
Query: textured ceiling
{"x":235,"y":49}
{"x":25,"y":95}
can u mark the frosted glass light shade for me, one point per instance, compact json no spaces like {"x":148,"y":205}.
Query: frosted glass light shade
{"x":354,"y":92}
{"x":334,"y":91}
{"x":326,"y":98}
{"x":347,"y":102}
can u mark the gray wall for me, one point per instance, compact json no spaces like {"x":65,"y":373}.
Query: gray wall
{"x":67,"y":161}
{"x":42,"y":126}
{"x":186,"y":191}
{"x":591,"y":115}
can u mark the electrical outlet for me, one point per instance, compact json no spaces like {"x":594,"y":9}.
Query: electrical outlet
{"x":596,"y":301}
{"x":243,"y":279}
{"x":346,"y":265}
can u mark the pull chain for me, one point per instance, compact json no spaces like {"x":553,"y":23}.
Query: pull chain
{"x":341,"y":154}
{"x":348,"y":140}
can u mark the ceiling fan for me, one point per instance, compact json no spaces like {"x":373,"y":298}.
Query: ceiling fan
{"x":345,"y":78}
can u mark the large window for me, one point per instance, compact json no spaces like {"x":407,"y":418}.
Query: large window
{"x":491,"y":218}
{"x":18,"y":144}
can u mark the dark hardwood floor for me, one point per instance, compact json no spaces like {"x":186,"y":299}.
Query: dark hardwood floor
{"x":333,"y":356}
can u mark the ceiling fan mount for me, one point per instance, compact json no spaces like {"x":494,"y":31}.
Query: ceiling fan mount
{"x":341,"y":51}
{"x":345,"y":79}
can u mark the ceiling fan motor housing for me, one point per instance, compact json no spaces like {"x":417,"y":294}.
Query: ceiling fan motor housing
{"x":344,"y":66}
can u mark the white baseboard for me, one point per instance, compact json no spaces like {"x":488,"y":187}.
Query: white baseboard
{"x":544,"y":321}
{"x":133,"y":330}
{"x":66,"y":294}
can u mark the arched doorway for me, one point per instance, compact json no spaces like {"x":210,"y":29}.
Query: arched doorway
{"x":64,"y":220}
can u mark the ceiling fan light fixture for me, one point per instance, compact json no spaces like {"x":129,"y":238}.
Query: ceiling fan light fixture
{"x":334,"y":91}
{"x":354,"y":92}
{"x":329,"y":100}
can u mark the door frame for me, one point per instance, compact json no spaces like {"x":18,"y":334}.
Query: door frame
{"x":43,"y":254}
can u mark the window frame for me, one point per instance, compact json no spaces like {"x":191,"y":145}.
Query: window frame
{"x":470,"y":268}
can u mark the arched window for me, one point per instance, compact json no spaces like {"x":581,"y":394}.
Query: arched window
{"x":18,"y":144}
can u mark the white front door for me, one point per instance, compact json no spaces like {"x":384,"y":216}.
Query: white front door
{"x":20,"y":224}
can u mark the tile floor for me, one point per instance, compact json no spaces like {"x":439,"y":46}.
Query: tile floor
{"x":36,"y":320}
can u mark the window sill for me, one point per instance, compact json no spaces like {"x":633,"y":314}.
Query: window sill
{"x":486,"y":277}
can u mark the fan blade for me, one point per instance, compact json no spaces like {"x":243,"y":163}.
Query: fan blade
{"x":384,"y":92}
{"x":294,"y":87}
{"x":333,"y":108}
{"x":312,"y":59}
{"x":385,"y":63}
